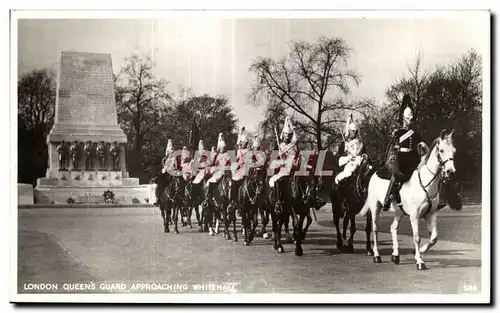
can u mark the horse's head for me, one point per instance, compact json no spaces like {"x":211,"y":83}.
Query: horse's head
{"x":445,"y":151}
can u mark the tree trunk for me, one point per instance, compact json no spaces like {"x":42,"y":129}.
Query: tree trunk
{"x":318,"y":136}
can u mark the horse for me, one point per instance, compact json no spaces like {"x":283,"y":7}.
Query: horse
{"x":171,"y":200}
{"x":250,"y":199}
{"x":193,"y":197}
{"x":215,"y":208}
{"x":419,"y":197}
{"x":351,"y":194}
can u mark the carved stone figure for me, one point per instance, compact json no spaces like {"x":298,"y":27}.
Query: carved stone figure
{"x":101,"y":156}
{"x":89,"y":153}
{"x":73,"y":151}
{"x":63,"y":155}
{"x":115,"y":155}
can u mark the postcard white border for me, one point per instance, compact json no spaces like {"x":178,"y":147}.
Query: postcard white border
{"x":483,"y":297}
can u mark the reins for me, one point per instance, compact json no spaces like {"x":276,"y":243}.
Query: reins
{"x":435,"y":176}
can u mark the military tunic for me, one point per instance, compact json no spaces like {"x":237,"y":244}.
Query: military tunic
{"x":408,"y":157}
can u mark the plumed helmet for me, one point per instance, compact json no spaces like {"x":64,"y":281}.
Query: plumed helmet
{"x":350,"y":125}
{"x":170,"y":147}
{"x":288,"y":129}
{"x":242,"y":137}
{"x":406,"y":110}
{"x":201,"y":146}
{"x":256,"y":142}
{"x":221,"y":143}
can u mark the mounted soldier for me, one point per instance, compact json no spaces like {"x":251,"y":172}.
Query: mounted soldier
{"x":168,"y":163}
{"x":241,"y":170}
{"x":403,"y":157}
{"x":288,"y":151}
{"x":351,"y":151}
{"x":222,"y":162}
{"x":202,"y":163}
{"x":186,"y":164}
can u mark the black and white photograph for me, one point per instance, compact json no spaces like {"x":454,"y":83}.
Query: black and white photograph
{"x":250,"y":156}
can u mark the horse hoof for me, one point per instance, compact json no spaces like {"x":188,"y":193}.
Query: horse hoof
{"x":245,"y":243}
{"x":166,"y":230}
{"x":228,"y":238}
{"x":280,"y":249}
{"x":395,"y":259}
{"x":340,"y":245}
{"x":377,"y":259}
{"x":176,"y":231}
{"x":235,"y":239}
{"x":421,"y":267}
{"x":369,"y":252}
{"x":298,"y":251}
{"x":190,"y":227}
{"x":265,"y":236}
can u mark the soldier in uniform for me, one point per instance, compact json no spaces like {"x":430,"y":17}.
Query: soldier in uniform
{"x":186,"y":164}
{"x":288,"y":151}
{"x":89,"y":153}
{"x":404,"y":157}
{"x":241,"y":171}
{"x":115,"y":155}
{"x":101,"y":155}
{"x":73,"y":151}
{"x":61,"y":150}
{"x":221,"y":163}
{"x":167,"y":164}
{"x":202,"y":168}
{"x":352,"y":151}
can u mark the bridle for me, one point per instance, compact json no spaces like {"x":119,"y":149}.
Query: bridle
{"x":435,"y":176}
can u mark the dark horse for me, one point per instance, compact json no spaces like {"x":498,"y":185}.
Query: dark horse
{"x":193,"y":197}
{"x":171,"y":201}
{"x":250,"y":199}
{"x":216,"y":206}
{"x":284,"y":199}
{"x":347,"y":200}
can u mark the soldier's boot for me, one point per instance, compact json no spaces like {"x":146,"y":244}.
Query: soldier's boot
{"x":389,"y":195}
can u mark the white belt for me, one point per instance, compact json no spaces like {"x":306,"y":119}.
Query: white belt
{"x":404,"y":149}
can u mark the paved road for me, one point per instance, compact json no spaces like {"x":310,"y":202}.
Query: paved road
{"x":127,"y":245}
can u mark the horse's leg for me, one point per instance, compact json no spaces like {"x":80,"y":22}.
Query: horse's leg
{"x":244,"y":222}
{"x":176,"y":210}
{"x":368,"y":232}
{"x":431,"y":221}
{"x":210,"y":217}
{"x":336,"y":220}
{"x":281,"y":221}
{"x":233,"y":220}
{"x":345,"y":224}
{"x":217,"y":219}
{"x":394,"y":233}
{"x":263,"y":219}
{"x":309,"y":221}
{"x":255,"y":223}
{"x":297,"y":232}
{"x":196,"y":208}
{"x":352,"y":231}
{"x":164,"y":217}
{"x":375,"y":221}
{"x":416,"y":241}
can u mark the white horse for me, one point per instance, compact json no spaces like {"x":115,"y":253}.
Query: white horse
{"x":419,"y":198}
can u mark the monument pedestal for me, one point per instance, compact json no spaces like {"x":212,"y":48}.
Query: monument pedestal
{"x":86,"y":115}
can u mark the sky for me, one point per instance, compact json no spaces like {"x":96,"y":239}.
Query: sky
{"x":212,"y":55}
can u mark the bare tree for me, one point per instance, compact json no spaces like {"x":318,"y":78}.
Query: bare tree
{"x":143,"y":104}
{"x":36,"y":94}
{"x":311,"y":80}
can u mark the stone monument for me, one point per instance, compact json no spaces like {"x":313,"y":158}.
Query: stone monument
{"x":86,"y":119}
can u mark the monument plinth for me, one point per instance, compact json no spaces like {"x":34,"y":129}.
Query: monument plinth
{"x":87,"y":147}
